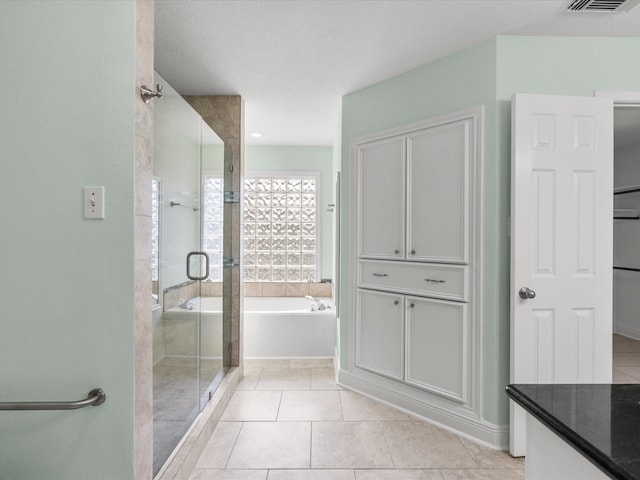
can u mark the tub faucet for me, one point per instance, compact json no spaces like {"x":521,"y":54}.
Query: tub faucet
{"x":187,"y":304}
{"x":317,"y":304}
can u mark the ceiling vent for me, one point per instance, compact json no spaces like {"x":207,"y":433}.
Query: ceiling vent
{"x":601,"y":6}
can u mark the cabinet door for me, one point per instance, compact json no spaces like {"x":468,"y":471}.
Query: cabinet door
{"x":437,"y":347}
{"x":380,"y":333}
{"x":381,"y":197}
{"x":437,"y":198}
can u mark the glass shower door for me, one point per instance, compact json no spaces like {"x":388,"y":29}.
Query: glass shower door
{"x":212,"y":368}
{"x":185,"y":341}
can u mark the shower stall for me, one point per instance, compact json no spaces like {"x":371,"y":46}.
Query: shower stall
{"x":187,"y":229}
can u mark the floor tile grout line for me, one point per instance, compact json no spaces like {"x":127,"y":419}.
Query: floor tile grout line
{"x":386,"y":444}
{"x":471,"y":455}
{"x":279,"y":406}
{"x":311,"y":445}
{"x":235,"y":442}
{"x":637,"y":377}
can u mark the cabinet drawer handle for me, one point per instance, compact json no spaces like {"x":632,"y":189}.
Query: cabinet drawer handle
{"x":380,"y":274}
{"x":434,"y":280}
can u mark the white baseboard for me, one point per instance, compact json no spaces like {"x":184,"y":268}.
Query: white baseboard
{"x":627,"y":331}
{"x":495,"y":436}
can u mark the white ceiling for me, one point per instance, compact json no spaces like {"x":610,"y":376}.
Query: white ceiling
{"x":293,"y":60}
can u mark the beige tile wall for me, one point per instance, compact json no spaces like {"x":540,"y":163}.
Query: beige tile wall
{"x":225,"y":115}
{"x":273,"y":289}
{"x":143,"y":166}
{"x":173,"y":295}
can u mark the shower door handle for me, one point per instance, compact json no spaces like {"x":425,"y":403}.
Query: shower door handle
{"x":206,"y":266}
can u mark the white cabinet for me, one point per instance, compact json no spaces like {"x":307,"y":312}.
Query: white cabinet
{"x":380,"y":333}
{"x":429,"y":279}
{"x":381,"y":187}
{"x":423,"y":177}
{"x":415,"y":191}
{"x":436,"y":346}
{"x":437,"y":205}
{"x":422,"y":342}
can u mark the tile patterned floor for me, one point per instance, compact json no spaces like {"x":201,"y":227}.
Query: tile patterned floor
{"x":288,"y":420}
{"x":626,"y":360}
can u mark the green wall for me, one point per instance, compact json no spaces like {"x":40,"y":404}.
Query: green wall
{"x":301,"y":159}
{"x":548,"y":65}
{"x":463,"y":80}
{"x":488,"y":73}
{"x":66,"y":284}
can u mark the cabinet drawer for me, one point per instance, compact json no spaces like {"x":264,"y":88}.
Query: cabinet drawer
{"x":442,"y":281}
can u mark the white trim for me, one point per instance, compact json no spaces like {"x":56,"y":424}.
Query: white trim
{"x":466,"y":419}
{"x":476,"y":112}
{"x":458,"y":420}
{"x":627,"y":331}
{"x":620,"y":98}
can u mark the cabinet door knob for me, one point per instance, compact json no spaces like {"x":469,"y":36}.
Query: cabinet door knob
{"x":413,"y":252}
{"x":396,"y":302}
{"x":412,"y":305}
{"x":397,"y":251}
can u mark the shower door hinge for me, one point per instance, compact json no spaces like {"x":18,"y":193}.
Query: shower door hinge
{"x":231,"y":197}
{"x":230,"y":262}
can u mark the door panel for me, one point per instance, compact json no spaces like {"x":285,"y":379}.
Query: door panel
{"x":380,"y":333}
{"x":381,"y":175}
{"x":561,"y":219}
{"x":438,"y":176}
{"x":437,"y":346}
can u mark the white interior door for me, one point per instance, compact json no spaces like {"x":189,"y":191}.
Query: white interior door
{"x":561,"y":244}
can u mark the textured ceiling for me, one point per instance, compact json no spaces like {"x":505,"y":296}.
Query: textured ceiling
{"x":293,"y":60}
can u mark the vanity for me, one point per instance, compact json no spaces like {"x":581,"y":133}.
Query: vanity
{"x":581,"y":431}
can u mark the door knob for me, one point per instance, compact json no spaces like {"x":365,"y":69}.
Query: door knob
{"x":526,"y":293}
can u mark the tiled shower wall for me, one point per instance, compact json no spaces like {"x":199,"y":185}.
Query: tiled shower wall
{"x":274,"y":289}
{"x":225,"y":115}
{"x":142,"y":242}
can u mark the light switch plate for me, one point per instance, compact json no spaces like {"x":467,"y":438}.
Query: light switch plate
{"x":93,"y":202}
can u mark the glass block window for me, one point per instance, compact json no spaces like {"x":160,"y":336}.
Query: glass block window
{"x":280,"y":228}
{"x":155,"y":226}
{"x":212,"y":223}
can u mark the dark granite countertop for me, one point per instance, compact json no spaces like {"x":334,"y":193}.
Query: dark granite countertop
{"x":600,"y":421}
